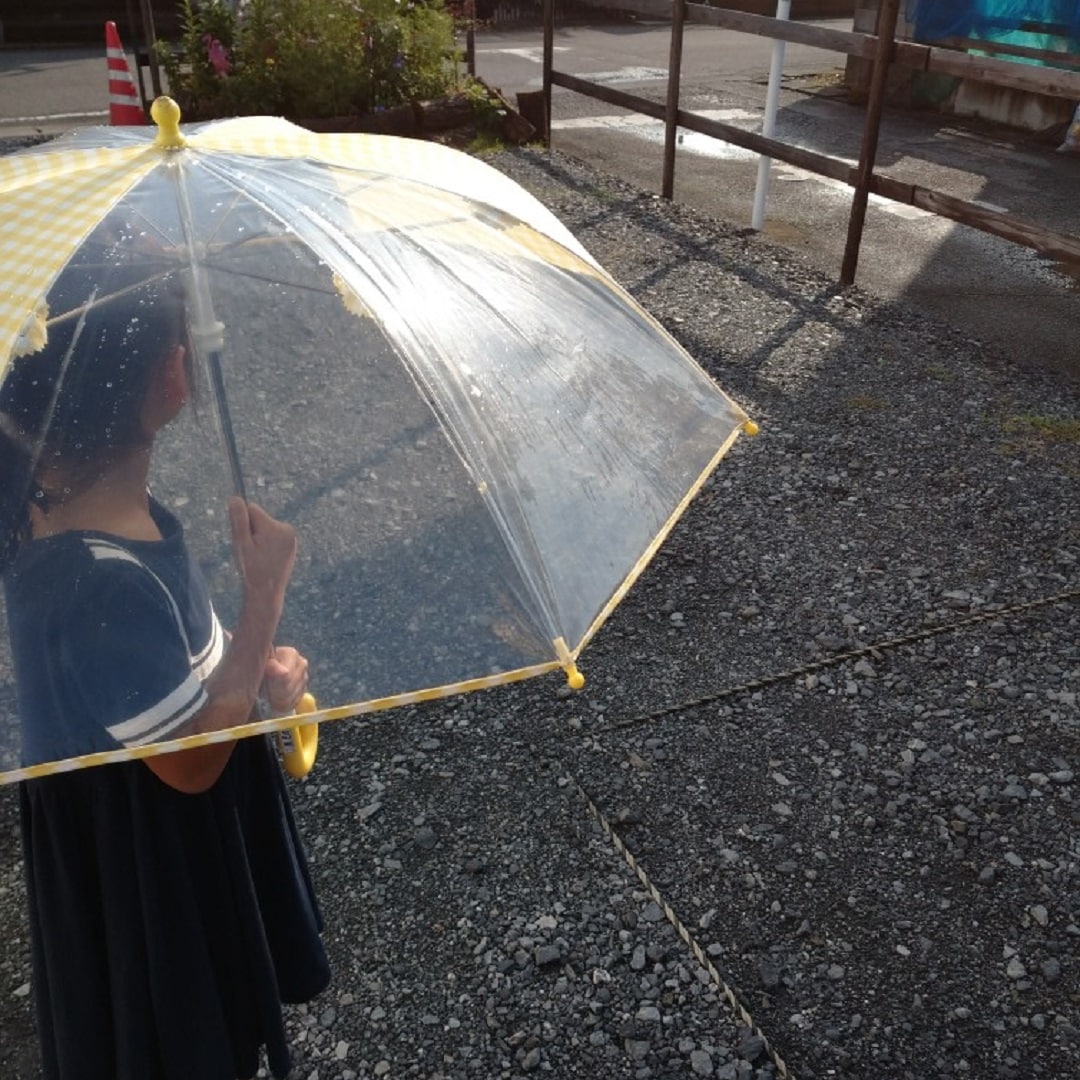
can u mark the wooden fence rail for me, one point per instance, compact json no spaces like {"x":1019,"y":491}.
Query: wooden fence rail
{"x":882,"y":51}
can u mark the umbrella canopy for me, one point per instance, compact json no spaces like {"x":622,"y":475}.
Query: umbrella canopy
{"x":480,"y":438}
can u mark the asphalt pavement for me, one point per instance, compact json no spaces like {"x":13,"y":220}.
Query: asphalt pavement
{"x":1000,"y":294}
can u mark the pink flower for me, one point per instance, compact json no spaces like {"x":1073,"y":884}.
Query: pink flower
{"x":217,"y":54}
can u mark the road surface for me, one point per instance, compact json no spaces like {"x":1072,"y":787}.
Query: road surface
{"x":997,"y":293}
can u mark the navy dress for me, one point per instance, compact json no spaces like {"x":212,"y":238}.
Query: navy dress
{"x":166,"y":928}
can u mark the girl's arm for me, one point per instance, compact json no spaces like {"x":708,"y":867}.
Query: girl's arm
{"x":265,"y":551}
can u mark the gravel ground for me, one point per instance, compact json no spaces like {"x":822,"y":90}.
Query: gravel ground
{"x":834,"y":728}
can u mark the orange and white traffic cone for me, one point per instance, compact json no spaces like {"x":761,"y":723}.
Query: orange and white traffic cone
{"x":124,"y":106}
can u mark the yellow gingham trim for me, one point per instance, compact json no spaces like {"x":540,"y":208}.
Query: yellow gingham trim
{"x":50,"y":203}
{"x":341,"y":712}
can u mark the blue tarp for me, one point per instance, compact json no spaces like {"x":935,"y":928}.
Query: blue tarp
{"x":1036,"y":24}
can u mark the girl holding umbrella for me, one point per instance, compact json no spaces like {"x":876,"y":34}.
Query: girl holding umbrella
{"x":171,"y":909}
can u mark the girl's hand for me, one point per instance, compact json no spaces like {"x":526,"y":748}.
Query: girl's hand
{"x":265,"y":551}
{"x":285,"y":678}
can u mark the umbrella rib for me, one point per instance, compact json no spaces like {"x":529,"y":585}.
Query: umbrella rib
{"x":225,"y":216}
{"x":250,"y":275}
{"x":95,"y":300}
{"x":156,"y":229}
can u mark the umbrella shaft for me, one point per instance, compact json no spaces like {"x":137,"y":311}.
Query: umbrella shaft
{"x":217,"y":380}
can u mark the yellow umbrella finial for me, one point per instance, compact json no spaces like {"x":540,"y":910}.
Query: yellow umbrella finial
{"x":574,"y":679}
{"x":166,"y":114}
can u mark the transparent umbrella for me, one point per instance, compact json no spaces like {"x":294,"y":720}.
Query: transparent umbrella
{"x":480,"y":438}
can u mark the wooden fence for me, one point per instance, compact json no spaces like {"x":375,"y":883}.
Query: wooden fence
{"x":882,"y":50}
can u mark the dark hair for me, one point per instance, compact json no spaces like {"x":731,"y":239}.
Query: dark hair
{"x":78,"y":399}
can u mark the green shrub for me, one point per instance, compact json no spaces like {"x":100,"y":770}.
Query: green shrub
{"x":308,"y":58}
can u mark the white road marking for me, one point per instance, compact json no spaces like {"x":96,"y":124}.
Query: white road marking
{"x":8,"y":120}
{"x":626,"y":75}
{"x":534,"y":54}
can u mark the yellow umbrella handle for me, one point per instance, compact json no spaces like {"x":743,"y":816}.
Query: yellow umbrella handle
{"x":300,"y":744}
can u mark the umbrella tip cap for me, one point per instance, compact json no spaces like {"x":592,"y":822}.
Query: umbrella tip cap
{"x":574,"y":679}
{"x":166,"y":114}
{"x":750,"y":428}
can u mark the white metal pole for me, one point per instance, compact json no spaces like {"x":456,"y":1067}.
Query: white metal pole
{"x":768,"y":126}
